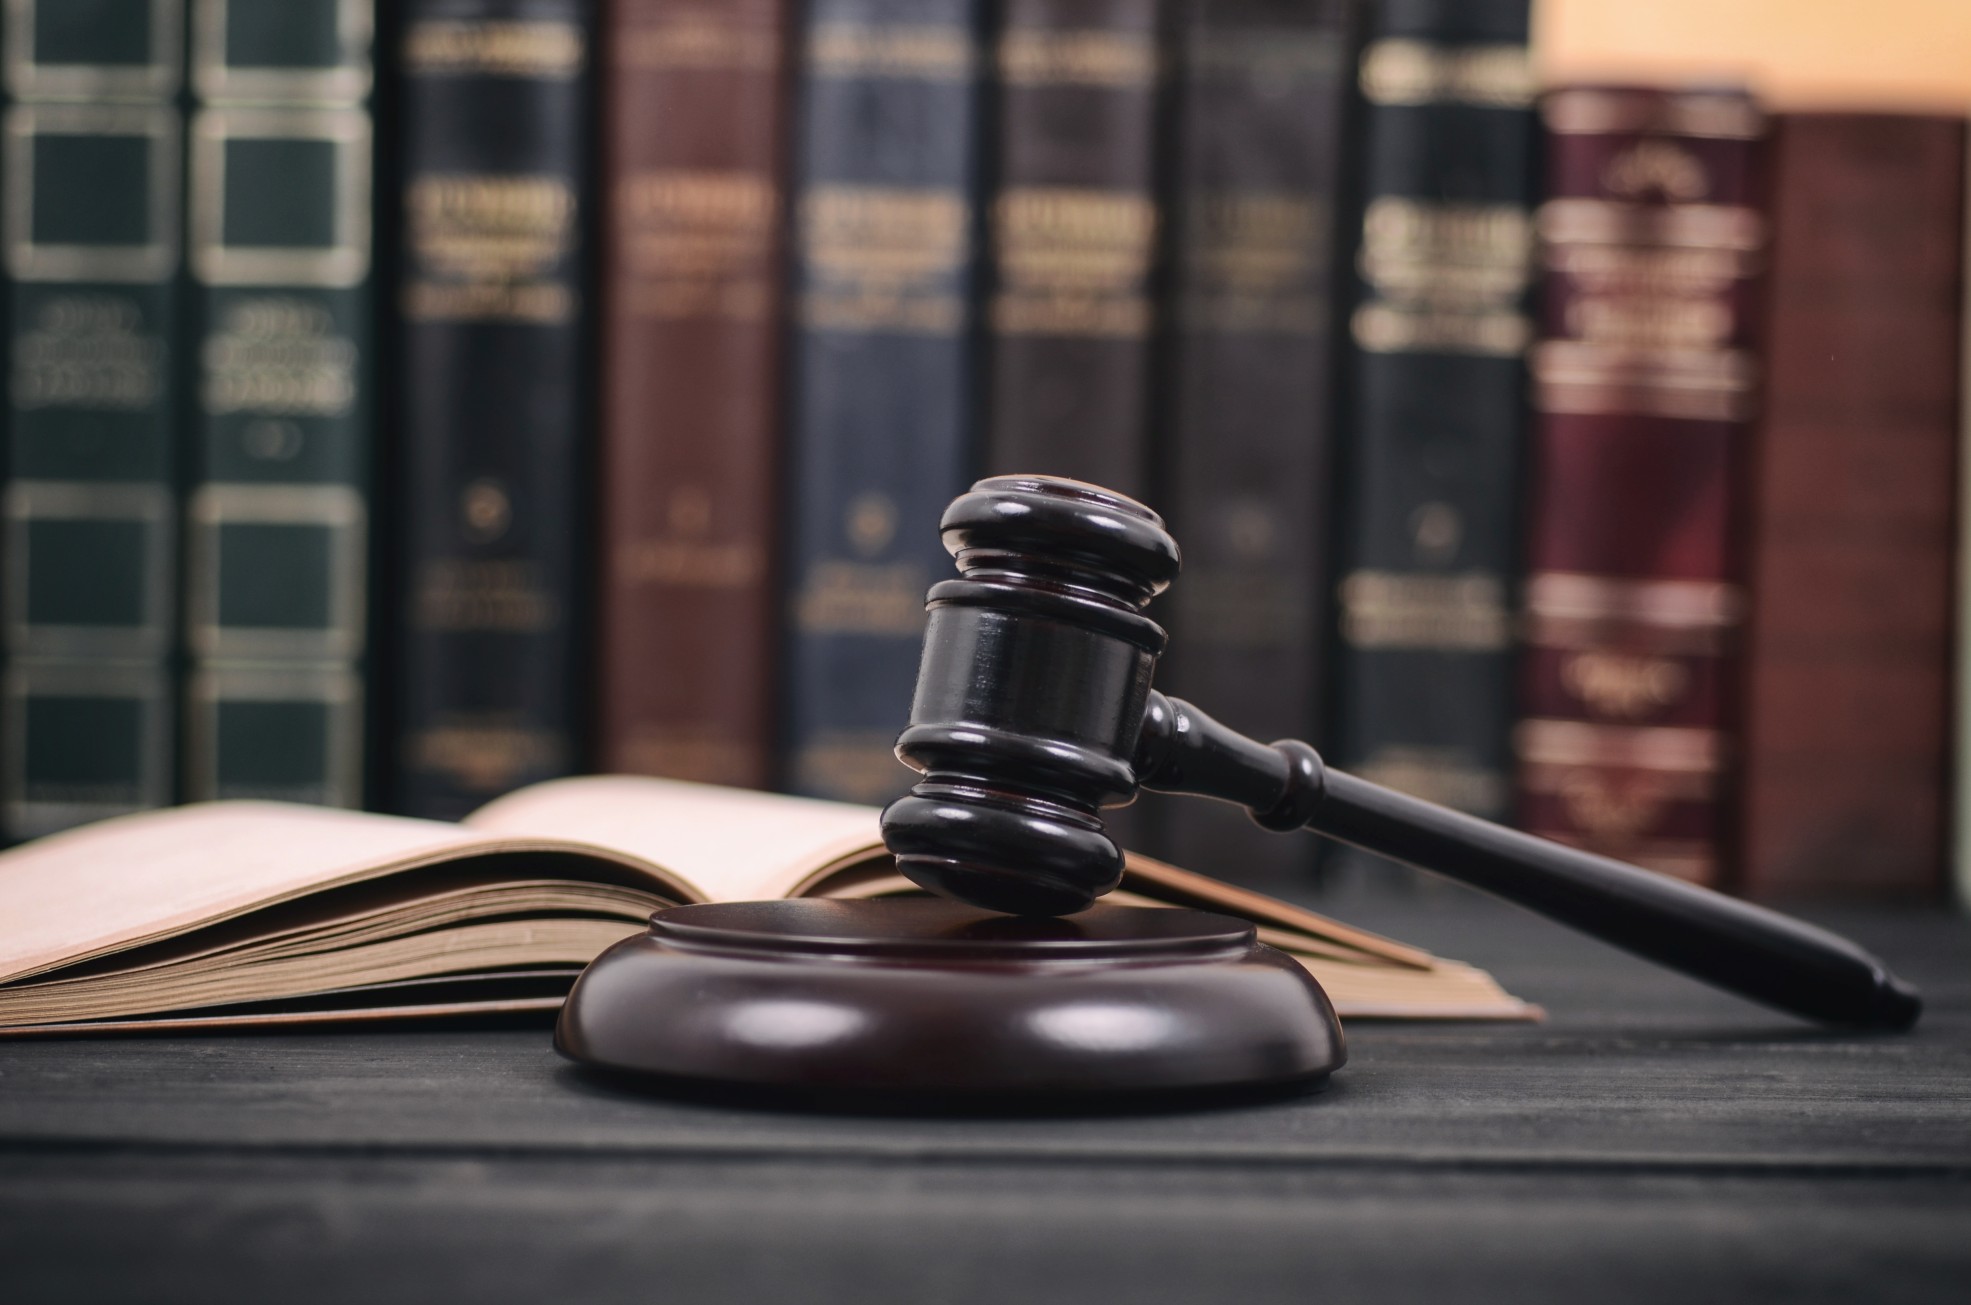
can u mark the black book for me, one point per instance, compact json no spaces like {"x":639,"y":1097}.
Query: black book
{"x":1434,"y":408}
{"x":492,"y":414}
{"x":1259,"y":152}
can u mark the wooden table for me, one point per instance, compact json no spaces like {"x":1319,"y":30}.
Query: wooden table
{"x":1653,"y":1142}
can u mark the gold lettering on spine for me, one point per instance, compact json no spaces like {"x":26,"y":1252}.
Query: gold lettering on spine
{"x":1457,"y":613}
{"x":501,"y":595}
{"x":698,"y":243}
{"x":1651,"y":272}
{"x":1574,"y":613}
{"x":883,"y":259}
{"x":686,"y":555}
{"x":1444,"y":278}
{"x":1072,"y":262}
{"x":1268,"y":57}
{"x":280,"y":356}
{"x":1110,"y":60}
{"x":700,"y":42}
{"x":1405,"y":73}
{"x":88,"y":352}
{"x":1446,"y":776}
{"x":926,"y":53}
{"x":495,"y":49}
{"x":1590,"y":112}
{"x":1255,"y":263}
{"x":1623,"y":686}
{"x":489,"y":248}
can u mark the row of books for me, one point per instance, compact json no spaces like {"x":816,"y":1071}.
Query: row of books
{"x":695,"y":313}
{"x":1743,"y":505}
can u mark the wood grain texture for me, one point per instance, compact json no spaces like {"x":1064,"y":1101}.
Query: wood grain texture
{"x":1652,"y":1139}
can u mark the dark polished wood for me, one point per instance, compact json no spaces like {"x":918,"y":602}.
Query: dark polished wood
{"x":923,"y":1001}
{"x":1034,"y":709}
{"x":1653,"y":1141}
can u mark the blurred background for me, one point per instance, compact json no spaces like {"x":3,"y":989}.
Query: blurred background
{"x":1560,"y":406}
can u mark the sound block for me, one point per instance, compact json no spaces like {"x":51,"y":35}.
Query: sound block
{"x":921,"y":999}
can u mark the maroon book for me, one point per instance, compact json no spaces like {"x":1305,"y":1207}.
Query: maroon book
{"x":694,"y":135}
{"x":1645,"y":383}
{"x":1850,"y":522}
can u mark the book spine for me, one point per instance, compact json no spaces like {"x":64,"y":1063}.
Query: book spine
{"x":1261,"y":94}
{"x":492,"y":288}
{"x":1072,"y":238}
{"x":694,"y":138}
{"x":1960,"y":833}
{"x":1438,"y":330}
{"x":277,"y":516}
{"x":1645,"y":384}
{"x":1847,"y":660}
{"x":881,"y":401}
{"x":93,"y":182}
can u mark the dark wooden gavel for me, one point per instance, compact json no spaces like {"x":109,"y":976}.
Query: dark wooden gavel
{"x":1034,"y":710}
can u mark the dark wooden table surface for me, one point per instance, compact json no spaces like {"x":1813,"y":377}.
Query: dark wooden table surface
{"x":1653,"y":1141}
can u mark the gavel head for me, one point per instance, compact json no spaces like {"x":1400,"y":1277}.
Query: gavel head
{"x":1036,"y":670}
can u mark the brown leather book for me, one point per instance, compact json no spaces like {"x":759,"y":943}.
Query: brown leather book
{"x":1850,"y":521}
{"x":1644,"y":386}
{"x":1074,"y":232}
{"x":694,"y":135}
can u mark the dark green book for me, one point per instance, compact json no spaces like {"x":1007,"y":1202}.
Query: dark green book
{"x":92,"y":178}
{"x":277,"y":516}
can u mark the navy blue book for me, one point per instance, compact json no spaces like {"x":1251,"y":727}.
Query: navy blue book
{"x":493,"y":381}
{"x":881,"y":400}
{"x":1434,"y":408}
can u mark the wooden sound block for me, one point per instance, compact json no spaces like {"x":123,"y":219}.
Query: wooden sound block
{"x":921,"y":999}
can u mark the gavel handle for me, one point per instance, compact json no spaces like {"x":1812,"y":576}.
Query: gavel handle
{"x":1735,"y":945}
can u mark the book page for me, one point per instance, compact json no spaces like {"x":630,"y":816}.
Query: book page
{"x":136,"y":878}
{"x":738,"y":845}
{"x":733,"y":844}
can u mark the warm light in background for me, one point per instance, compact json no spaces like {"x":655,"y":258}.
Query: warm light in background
{"x":1880,"y":54}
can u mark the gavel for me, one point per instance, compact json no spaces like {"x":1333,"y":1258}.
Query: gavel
{"x":1035,"y":709}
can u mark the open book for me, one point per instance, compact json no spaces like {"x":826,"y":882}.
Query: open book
{"x":231,"y":913}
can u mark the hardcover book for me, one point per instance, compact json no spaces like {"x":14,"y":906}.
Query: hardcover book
{"x":694,"y":139}
{"x":1844,"y":745}
{"x":494,"y":117}
{"x":1645,"y":383}
{"x":1261,"y":91}
{"x":881,"y":414}
{"x":232,"y":914}
{"x":90,"y":592}
{"x":1429,"y":469}
{"x":278,"y":513}
{"x":1073,"y":233}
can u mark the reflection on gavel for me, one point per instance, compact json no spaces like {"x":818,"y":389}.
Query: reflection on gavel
{"x":1034,"y":710}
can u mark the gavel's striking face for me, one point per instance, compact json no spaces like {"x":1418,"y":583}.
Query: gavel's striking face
{"x":1037,"y":666}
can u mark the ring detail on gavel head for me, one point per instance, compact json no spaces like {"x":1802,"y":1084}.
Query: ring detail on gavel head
{"x":1037,"y":666}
